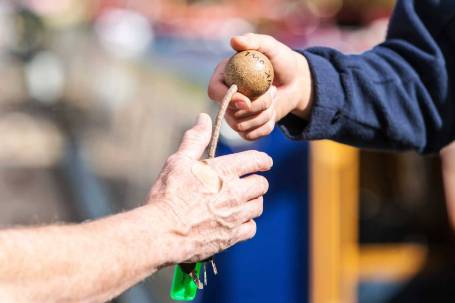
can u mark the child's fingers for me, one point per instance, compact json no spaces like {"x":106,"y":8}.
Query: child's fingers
{"x":255,"y":121}
{"x":217,"y":89}
{"x":233,"y":123}
{"x":262,"y":103}
{"x":240,"y":102}
{"x":264,"y":43}
{"x":259,"y":132}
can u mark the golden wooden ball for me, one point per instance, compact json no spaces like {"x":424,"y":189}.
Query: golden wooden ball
{"x":251,"y":71}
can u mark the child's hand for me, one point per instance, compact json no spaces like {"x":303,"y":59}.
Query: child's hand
{"x":290,"y":91}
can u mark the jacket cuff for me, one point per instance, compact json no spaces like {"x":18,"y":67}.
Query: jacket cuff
{"x":327,"y":101}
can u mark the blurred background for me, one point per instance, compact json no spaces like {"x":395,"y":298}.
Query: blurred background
{"x":95,"y":95}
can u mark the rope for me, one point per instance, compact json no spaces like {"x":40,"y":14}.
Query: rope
{"x":219,"y":118}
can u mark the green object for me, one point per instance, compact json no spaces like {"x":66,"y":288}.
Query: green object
{"x":183,"y":287}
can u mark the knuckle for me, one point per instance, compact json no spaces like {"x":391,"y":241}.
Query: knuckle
{"x":237,"y":199}
{"x":172,"y":160}
{"x":235,"y":219}
{"x":238,"y":114}
{"x":232,"y":197}
{"x":232,"y":122}
{"x":263,"y":104}
{"x":250,"y":35}
{"x":231,"y":222}
{"x":271,"y":39}
{"x":270,"y":113}
{"x":212,"y":163}
{"x":239,"y":127}
{"x":189,"y":134}
{"x":242,"y":126}
{"x":264,"y":36}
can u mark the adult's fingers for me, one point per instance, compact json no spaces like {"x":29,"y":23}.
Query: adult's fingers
{"x":246,"y":212}
{"x":243,"y":191}
{"x":243,"y":163}
{"x":238,"y":234}
{"x":245,"y":231}
{"x":197,"y":138}
{"x":250,"y":187}
{"x":251,"y":210}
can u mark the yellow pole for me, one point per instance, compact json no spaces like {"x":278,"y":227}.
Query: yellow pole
{"x":333,"y":222}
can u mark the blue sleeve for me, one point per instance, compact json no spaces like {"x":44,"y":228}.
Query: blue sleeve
{"x":398,"y":95}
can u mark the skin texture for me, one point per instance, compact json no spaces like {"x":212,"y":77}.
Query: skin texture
{"x":291,"y":90}
{"x":194,"y":210}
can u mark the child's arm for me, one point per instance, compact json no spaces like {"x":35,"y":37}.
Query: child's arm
{"x":396,"y":96}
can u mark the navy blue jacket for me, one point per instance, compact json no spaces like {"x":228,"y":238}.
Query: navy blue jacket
{"x":398,"y":95}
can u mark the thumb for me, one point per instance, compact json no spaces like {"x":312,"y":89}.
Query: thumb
{"x":282,"y":57}
{"x":197,"y":138}
{"x":265,"y":44}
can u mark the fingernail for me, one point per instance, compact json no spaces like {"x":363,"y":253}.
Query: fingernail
{"x":266,"y":156}
{"x":270,"y":160}
{"x":240,"y":105}
{"x":201,"y":118}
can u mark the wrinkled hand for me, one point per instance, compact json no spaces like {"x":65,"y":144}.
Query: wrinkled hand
{"x":210,"y":205}
{"x":291,"y":89}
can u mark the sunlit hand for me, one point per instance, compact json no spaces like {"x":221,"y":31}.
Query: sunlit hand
{"x":209,"y":204}
{"x":290,"y":92}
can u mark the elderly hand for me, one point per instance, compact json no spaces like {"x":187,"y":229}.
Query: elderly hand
{"x":211,"y":204}
{"x":290,"y":92}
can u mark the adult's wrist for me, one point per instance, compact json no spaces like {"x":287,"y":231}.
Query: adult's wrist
{"x":172,"y":244}
{"x":158,"y":221}
{"x":142,"y":239}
